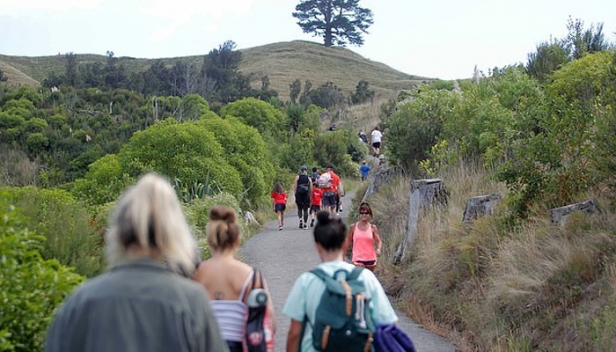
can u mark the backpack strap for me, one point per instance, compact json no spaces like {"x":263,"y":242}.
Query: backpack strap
{"x":355,"y":273}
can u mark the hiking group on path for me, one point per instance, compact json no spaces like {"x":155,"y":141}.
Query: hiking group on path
{"x":159,"y":296}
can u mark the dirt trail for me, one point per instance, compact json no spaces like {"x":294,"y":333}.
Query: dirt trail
{"x":283,"y":255}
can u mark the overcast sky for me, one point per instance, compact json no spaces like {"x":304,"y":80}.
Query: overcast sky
{"x":434,"y":38}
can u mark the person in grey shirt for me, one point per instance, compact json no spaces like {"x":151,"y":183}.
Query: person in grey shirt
{"x":141,"y":303}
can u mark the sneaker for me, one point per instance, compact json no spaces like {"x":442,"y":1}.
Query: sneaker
{"x":340,"y":210}
{"x":305,"y":226}
{"x":280,"y":228}
{"x":312,"y":223}
{"x":301,"y":224}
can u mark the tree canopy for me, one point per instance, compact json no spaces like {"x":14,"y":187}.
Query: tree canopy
{"x":340,"y":22}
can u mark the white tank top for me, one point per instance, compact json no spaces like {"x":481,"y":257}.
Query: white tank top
{"x":231,"y":315}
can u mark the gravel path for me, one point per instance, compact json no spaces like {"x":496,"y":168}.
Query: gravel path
{"x":283,"y":255}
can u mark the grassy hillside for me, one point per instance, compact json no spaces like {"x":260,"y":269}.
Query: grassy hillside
{"x":282,"y":62}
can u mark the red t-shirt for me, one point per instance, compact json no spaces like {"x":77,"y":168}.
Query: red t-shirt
{"x":317,"y":195}
{"x":279,"y":198}
{"x":335,"y":183}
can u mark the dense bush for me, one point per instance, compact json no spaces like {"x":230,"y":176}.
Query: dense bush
{"x":31,"y":287}
{"x":64,"y":223}
{"x":245,"y":150}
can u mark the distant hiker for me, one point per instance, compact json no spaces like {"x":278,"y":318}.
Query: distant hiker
{"x":339,"y":188}
{"x":329,"y":185}
{"x":279,"y":198}
{"x":362,"y":137}
{"x":377,"y":136}
{"x":364,"y":239}
{"x":314,"y":176}
{"x":229,"y":281}
{"x":317,"y":303}
{"x":364,"y":168}
{"x":315,"y":204}
{"x":141,"y":303}
{"x":303,"y":188}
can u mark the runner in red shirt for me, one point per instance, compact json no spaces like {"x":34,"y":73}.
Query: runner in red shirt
{"x":315,"y":204}
{"x":279,"y":198}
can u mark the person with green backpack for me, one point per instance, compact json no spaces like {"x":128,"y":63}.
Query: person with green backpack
{"x":336,"y":306}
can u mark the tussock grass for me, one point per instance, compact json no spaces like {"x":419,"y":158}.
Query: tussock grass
{"x":489,"y":286}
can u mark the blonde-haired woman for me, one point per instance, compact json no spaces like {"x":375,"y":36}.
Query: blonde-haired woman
{"x":141,"y":303}
{"x":227,"y":279}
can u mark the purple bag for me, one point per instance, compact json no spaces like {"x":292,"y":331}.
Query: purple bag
{"x":390,"y":338}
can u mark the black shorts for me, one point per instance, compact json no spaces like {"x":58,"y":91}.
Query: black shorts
{"x":315,"y":208}
{"x":329,"y":199}
{"x":376,"y":144}
{"x":280,"y":207}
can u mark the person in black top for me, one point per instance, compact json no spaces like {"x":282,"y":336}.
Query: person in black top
{"x":303,"y":189}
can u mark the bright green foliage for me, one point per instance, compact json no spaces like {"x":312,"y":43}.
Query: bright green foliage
{"x":198,"y":213}
{"x":414,"y":128}
{"x":187,"y":151}
{"x":331,"y":149}
{"x":37,"y":143}
{"x":245,"y":150}
{"x":297,"y":152}
{"x":31,"y":287}
{"x":258,"y":114}
{"x":104,"y":181}
{"x":65,"y":224}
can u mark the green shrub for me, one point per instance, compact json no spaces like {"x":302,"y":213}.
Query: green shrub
{"x":198,"y":212}
{"x":64,"y":222}
{"x":32,"y":287}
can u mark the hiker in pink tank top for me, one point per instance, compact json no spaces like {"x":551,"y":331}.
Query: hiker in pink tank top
{"x":364,"y":239}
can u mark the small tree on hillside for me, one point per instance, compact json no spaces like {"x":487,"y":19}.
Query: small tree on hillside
{"x":3,"y":77}
{"x":363,"y":93}
{"x":339,"y":22}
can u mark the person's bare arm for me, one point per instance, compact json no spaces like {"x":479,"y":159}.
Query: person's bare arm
{"x":377,"y":240}
{"x":294,"y":336}
{"x":295,"y":184}
{"x":270,"y":304}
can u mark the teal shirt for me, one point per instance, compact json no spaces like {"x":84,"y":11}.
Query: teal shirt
{"x":305,"y":296}
{"x":136,"y":306}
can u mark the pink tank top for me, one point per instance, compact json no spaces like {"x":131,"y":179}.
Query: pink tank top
{"x":363,"y":244}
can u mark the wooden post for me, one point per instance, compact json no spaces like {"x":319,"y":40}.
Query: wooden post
{"x":479,"y":206}
{"x":559,"y":215}
{"x":424,"y":194}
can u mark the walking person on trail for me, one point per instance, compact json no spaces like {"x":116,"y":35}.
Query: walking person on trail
{"x":339,"y":189}
{"x":315,"y":204}
{"x":142,"y":303}
{"x":329,"y":184}
{"x":303,"y":188}
{"x":314,"y":176}
{"x":364,"y":168}
{"x":377,"y":137}
{"x":364,"y":240}
{"x":313,"y":306}
{"x":228,"y":280}
{"x":279,"y":198}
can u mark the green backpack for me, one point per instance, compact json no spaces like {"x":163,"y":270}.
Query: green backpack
{"x":342,"y":320}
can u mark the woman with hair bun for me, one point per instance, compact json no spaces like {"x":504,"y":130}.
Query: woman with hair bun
{"x":228,"y":280}
{"x":141,"y":303}
{"x":301,"y":305}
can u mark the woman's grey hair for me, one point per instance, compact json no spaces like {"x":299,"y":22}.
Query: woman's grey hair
{"x":148,"y":215}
